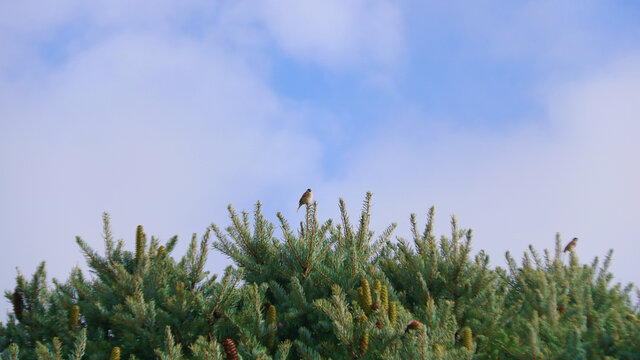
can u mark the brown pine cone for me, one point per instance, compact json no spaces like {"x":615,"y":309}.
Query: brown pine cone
{"x":414,"y":324}
{"x":230,"y":348}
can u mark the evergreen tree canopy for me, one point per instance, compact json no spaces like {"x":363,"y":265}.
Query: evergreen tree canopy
{"x":321,"y":291}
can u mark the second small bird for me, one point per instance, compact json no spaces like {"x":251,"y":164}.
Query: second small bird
{"x":305,"y":199}
{"x":571,"y":244}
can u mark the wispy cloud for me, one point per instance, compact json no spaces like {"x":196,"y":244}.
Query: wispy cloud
{"x":158,"y":115}
{"x":159,"y":131}
{"x":336,"y":33}
{"x":573,"y":173}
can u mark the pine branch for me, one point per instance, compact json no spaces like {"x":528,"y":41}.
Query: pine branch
{"x":80,"y":345}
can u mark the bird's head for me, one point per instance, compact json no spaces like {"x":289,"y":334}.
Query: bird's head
{"x":308,"y":190}
{"x":575,"y":239}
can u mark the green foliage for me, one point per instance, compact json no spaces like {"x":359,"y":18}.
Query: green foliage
{"x":568,"y":310}
{"x":12,"y":352}
{"x":321,"y":291}
{"x":172,"y":350}
{"x":54,"y":351}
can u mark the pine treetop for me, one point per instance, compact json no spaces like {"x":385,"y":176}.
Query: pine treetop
{"x":322,"y":291}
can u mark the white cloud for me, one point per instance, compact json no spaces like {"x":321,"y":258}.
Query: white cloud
{"x":336,"y":33}
{"x":158,"y":131}
{"x":576,"y":175}
{"x":363,"y":34}
{"x":160,"y":115}
{"x":24,"y":18}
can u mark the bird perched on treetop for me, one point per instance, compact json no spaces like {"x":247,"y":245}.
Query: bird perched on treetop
{"x":305,"y":199}
{"x":571,"y":244}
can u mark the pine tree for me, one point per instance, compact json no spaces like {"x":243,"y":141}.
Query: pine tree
{"x":439,"y":280}
{"x":568,"y":310}
{"x":321,"y":291}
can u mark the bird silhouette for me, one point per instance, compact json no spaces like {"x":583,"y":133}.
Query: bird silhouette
{"x":571,"y":244}
{"x":305,"y":199}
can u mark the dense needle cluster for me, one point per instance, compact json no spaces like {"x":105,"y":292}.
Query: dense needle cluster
{"x":320,"y":291}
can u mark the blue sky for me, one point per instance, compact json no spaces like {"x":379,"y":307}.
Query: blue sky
{"x":519,"y":117}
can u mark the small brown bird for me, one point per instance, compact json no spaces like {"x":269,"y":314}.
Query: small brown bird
{"x":305,"y":199}
{"x":571,"y":244}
